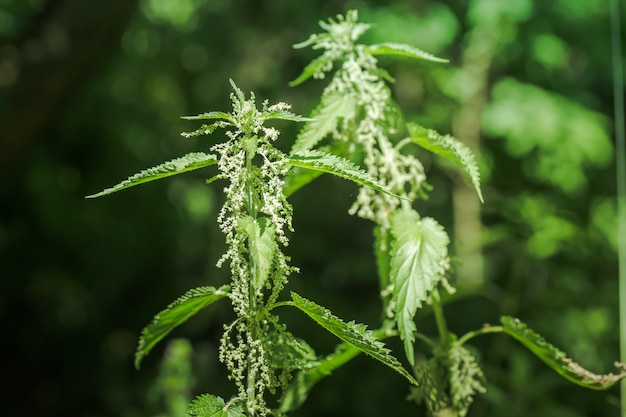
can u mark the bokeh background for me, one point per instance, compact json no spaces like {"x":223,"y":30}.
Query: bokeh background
{"x":92,"y":91}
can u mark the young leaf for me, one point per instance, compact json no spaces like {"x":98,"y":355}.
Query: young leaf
{"x":207,"y":405}
{"x":175,"y":314}
{"x":331,"y":164}
{"x":262,"y":246}
{"x":325,"y":116}
{"x":278,"y":112}
{"x":418,"y":253}
{"x":316,"y":66}
{"x":399,"y":49}
{"x":189,"y":162}
{"x":450,"y":148}
{"x":355,"y":334}
{"x":209,"y":115}
{"x":558,"y":360}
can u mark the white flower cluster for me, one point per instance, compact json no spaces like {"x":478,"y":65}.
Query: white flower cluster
{"x":252,"y":166}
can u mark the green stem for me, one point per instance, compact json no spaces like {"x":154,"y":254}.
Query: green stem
{"x":441,"y":320}
{"x":487,"y":329}
{"x":251,"y":205}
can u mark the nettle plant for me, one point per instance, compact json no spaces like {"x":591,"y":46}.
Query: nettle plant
{"x":273,"y":370}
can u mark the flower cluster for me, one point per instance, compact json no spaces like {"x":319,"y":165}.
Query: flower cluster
{"x":254,"y":219}
{"x":360,"y":78}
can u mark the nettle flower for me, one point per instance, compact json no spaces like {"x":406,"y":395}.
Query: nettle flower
{"x":254,"y":218}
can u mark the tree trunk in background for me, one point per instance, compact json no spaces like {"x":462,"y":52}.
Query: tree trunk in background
{"x":476,"y":61}
{"x":42,"y":70}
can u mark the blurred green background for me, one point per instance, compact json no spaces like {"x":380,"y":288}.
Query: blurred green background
{"x":91,"y":92}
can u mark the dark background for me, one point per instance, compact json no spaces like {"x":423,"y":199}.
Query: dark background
{"x":91,"y":92}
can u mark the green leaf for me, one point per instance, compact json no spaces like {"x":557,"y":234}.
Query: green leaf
{"x":297,"y":179}
{"x":302,"y":383}
{"x":288,"y":352}
{"x":315,"y":67}
{"x":209,"y":115}
{"x":325,"y":117}
{"x":398,"y":49}
{"x":175,"y":314}
{"x":189,"y":162}
{"x":450,"y":148}
{"x":281,"y":114}
{"x":262,"y":245}
{"x":418,"y":253}
{"x":356,"y":335}
{"x":207,"y":405}
{"x":558,"y":360}
{"x":331,"y":164}
{"x":299,"y":387}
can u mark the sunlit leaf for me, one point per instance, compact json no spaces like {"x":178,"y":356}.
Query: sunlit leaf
{"x":315,"y":67}
{"x":261,"y":244}
{"x":418,"y":252}
{"x":331,"y":164}
{"x":355,"y":334}
{"x":333,"y":107}
{"x":175,"y":314}
{"x":557,"y":359}
{"x":209,"y":115}
{"x":207,"y":405}
{"x":186,"y":163}
{"x":399,"y":49}
{"x":281,"y":114}
{"x":450,"y":148}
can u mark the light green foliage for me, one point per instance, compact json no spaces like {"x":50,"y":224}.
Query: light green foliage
{"x":175,"y":381}
{"x":557,"y":359}
{"x":174,"y":315}
{"x":207,"y":405}
{"x":419,"y":259}
{"x":176,"y":166}
{"x":562,"y":141}
{"x":450,"y":148}
{"x":355,"y":334}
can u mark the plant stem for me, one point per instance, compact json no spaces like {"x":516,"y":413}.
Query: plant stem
{"x":252,"y":292}
{"x":441,"y":320}
{"x":487,"y":329}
